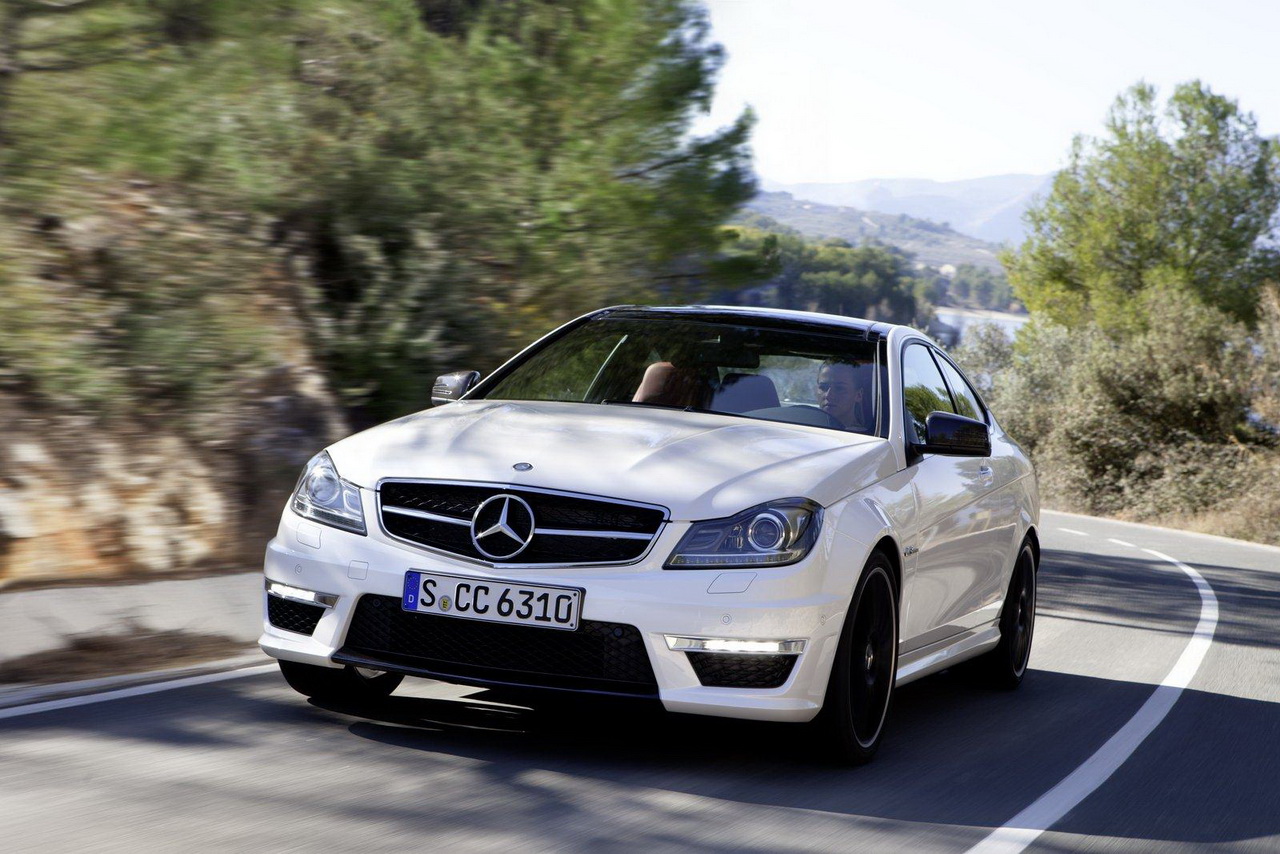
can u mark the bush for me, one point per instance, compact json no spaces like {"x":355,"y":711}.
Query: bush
{"x":123,"y":301}
{"x":1266,"y":367}
{"x":1151,"y":426}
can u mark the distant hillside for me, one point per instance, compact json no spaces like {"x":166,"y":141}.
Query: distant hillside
{"x":930,"y":242}
{"x":987,"y":208}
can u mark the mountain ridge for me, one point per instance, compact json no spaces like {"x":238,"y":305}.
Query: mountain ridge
{"x":932,"y":243}
{"x":988,"y":208}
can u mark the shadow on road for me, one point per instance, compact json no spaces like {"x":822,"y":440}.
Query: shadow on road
{"x":957,"y":759}
{"x":1153,"y":595}
{"x":955,"y":755}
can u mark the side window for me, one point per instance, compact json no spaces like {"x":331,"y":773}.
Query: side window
{"x":967,"y":403}
{"x":923,"y":390}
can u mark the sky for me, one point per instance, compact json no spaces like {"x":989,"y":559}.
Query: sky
{"x":846,"y":90}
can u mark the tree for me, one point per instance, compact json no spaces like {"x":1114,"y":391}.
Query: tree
{"x":874,"y":280}
{"x":39,"y":37}
{"x":1182,"y":198}
{"x":446,"y":178}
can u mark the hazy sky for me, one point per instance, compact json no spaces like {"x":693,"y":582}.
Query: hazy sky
{"x":950,"y":89}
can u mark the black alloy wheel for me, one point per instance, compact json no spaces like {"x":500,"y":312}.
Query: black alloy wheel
{"x":333,"y":683}
{"x":865,"y":667}
{"x":1006,"y":665}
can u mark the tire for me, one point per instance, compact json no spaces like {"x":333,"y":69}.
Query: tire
{"x":1006,"y":665}
{"x":866,"y":666}
{"x":330,"y":683}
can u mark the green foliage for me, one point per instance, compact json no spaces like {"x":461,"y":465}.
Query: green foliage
{"x":981,"y":287}
{"x":987,"y":352}
{"x":1176,"y":200}
{"x":873,"y":281}
{"x":1145,"y":383}
{"x":1151,"y":253}
{"x":48,"y":343}
{"x":448,"y":177}
{"x":922,"y":400}
{"x":1150,"y":423}
{"x":41,"y":42}
{"x":146,"y":313}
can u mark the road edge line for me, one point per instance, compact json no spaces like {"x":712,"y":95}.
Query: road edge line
{"x":133,"y":691}
{"x":1027,"y":826}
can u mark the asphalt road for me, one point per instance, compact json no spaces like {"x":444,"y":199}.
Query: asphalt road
{"x":245,"y":764}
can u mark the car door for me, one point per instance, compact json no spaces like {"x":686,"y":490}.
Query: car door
{"x":954,"y":587}
{"x":1001,"y":501}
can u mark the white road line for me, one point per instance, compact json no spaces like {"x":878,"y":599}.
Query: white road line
{"x":1025,"y":827}
{"x":1165,"y":532}
{"x":1120,"y":542}
{"x":1073,"y":531}
{"x":135,"y":691}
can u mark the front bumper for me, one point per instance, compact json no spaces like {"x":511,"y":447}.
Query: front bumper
{"x":802,"y":602}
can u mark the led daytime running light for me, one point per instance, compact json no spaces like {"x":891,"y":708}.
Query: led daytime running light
{"x":735,"y":646}
{"x":297,"y":594}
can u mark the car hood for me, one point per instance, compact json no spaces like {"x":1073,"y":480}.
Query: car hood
{"x":697,"y":465}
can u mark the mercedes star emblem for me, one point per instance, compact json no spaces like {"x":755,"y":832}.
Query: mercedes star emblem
{"x":502,"y":527}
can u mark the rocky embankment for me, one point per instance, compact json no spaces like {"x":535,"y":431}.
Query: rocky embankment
{"x":79,"y":499}
{"x":191,"y":318}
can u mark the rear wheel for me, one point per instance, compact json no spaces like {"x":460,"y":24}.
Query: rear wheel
{"x":865,"y":668}
{"x":331,"y":683}
{"x":1005,"y":665}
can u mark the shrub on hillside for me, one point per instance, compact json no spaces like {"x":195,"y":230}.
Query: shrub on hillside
{"x":125,"y":301}
{"x":1266,"y":368}
{"x":1144,"y":426}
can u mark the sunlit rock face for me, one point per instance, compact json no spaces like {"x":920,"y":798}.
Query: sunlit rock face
{"x":82,"y":500}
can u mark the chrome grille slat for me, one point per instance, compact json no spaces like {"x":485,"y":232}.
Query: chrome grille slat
{"x":608,"y":535}
{"x":422,"y":514}
{"x":571,"y":529}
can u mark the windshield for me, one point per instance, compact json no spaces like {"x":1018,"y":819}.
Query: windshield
{"x":789,"y":375}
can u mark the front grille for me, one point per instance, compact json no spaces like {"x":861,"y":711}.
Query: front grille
{"x":600,"y":657}
{"x":293,"y":616}
{"x":724,"y":670}
{"x":571,"y":529}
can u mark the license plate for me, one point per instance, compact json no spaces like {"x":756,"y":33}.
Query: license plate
{"x":492,"y":600}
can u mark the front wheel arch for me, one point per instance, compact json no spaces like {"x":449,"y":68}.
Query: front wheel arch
{"x":893,"y":553}
{"x":1033,"y":539}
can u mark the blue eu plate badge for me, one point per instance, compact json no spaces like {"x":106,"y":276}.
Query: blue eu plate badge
{"x":412,"y":584}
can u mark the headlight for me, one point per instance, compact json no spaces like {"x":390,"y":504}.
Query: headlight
{"x":772,"y":534}
{"x":323,"y":496}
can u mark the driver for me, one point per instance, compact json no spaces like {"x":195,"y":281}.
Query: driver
{"x":840,"y":395}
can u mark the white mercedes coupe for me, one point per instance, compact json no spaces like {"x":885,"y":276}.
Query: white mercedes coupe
{"x":750,"y":513}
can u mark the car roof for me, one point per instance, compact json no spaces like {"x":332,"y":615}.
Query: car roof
{"x":872,"y":330}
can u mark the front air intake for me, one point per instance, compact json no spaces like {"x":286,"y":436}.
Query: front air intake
{"x":599,"y":657}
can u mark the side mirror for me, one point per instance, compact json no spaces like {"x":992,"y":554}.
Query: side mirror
{"x":955,"y":435}
{"x":451,"y":387}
